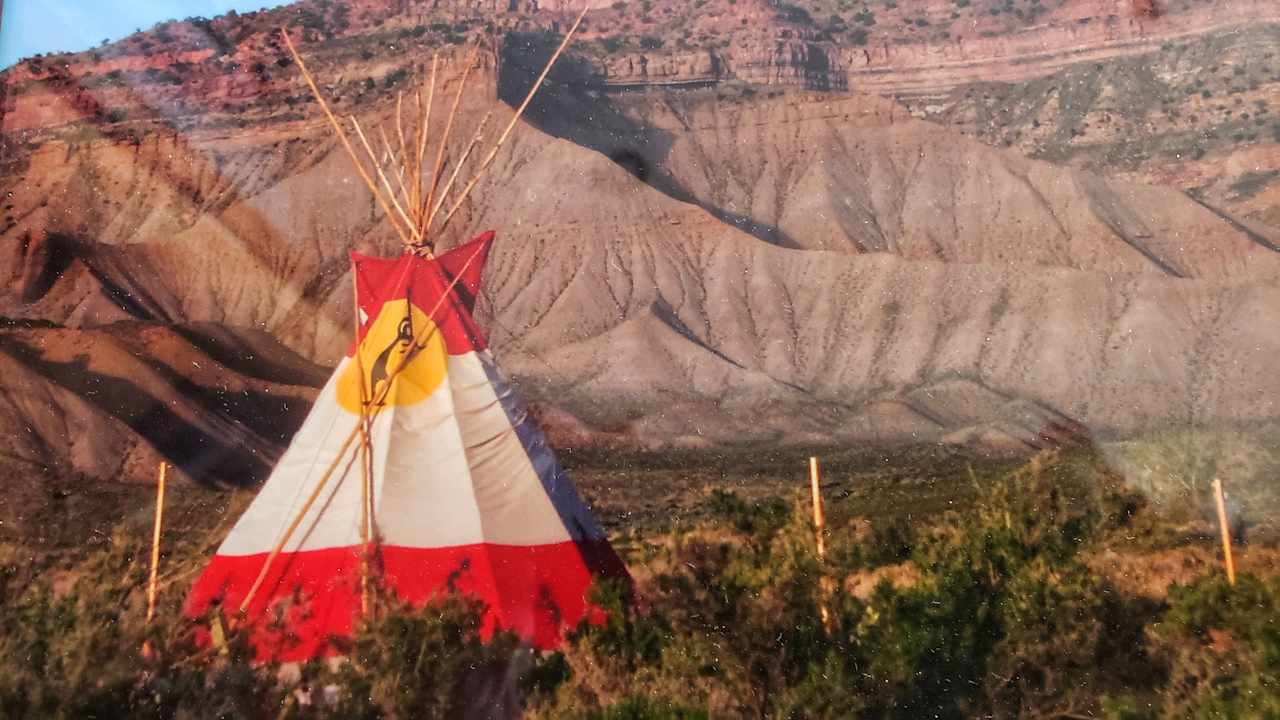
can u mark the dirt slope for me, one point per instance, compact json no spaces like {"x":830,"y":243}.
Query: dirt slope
{"x":687,"y":269}
{"x":111,"y":402}
{"x":852,"y":174}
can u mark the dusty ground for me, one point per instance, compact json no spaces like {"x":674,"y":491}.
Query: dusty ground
{"x":649,"y":493}
{"x":642,"y":499}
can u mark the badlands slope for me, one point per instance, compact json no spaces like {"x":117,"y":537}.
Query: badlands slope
{"x":792,"y":267}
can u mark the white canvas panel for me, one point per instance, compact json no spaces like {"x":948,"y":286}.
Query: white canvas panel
{"x":450,"y":470}
{"x":514,"y":506}
{"x":559,"y":489}
{"x":423,"y":494}
{"x":294,"y":478}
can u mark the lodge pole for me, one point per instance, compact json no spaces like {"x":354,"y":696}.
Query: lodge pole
{"x":425,"y":210}
{"x":346,"y":142}
{"x":424,"y":127}
{"x":488,"y":160}
{"x":1221,"y":501}
{"x":366,"y":486}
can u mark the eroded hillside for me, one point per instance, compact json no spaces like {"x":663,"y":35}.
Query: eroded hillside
{"x":711,"y":265}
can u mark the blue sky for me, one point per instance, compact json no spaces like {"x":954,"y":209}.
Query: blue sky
{"x":28,"y":27}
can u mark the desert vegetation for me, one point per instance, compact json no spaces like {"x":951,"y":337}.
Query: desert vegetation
{"x":997,"y":609}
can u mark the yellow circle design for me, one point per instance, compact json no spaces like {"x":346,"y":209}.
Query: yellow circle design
{"x":386,"y":344}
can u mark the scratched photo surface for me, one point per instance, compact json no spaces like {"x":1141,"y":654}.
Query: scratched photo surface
{"x":640,"y":359}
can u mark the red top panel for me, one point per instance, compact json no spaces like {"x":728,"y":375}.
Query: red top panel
{"x":444,"y":288}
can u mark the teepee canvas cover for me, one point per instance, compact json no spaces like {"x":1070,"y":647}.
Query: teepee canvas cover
{"x":465,"y":494}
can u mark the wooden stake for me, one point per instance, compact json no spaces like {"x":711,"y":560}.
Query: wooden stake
{"x":155,"y":543}
{"x":370,"y":524}
{"x":1221,"y":499}
{"x":218,"y":633}
{"x":814,"y":481}
{"x":155,"y":558}
{"x":819,"y":527}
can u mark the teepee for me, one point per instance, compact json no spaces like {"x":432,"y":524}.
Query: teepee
{"x":418,"y":469}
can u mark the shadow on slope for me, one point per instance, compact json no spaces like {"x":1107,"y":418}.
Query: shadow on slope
{"x":253,"y":353}
{"x":574,"y":104}
{"x":215,"y":423}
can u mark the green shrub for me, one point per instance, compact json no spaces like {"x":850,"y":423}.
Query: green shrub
{"x":1222,"y":646}
{"x":758,"y":518}
{"x":428,"y":662}
{"x":79,"y":654}
{"x":1000,"y":615}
